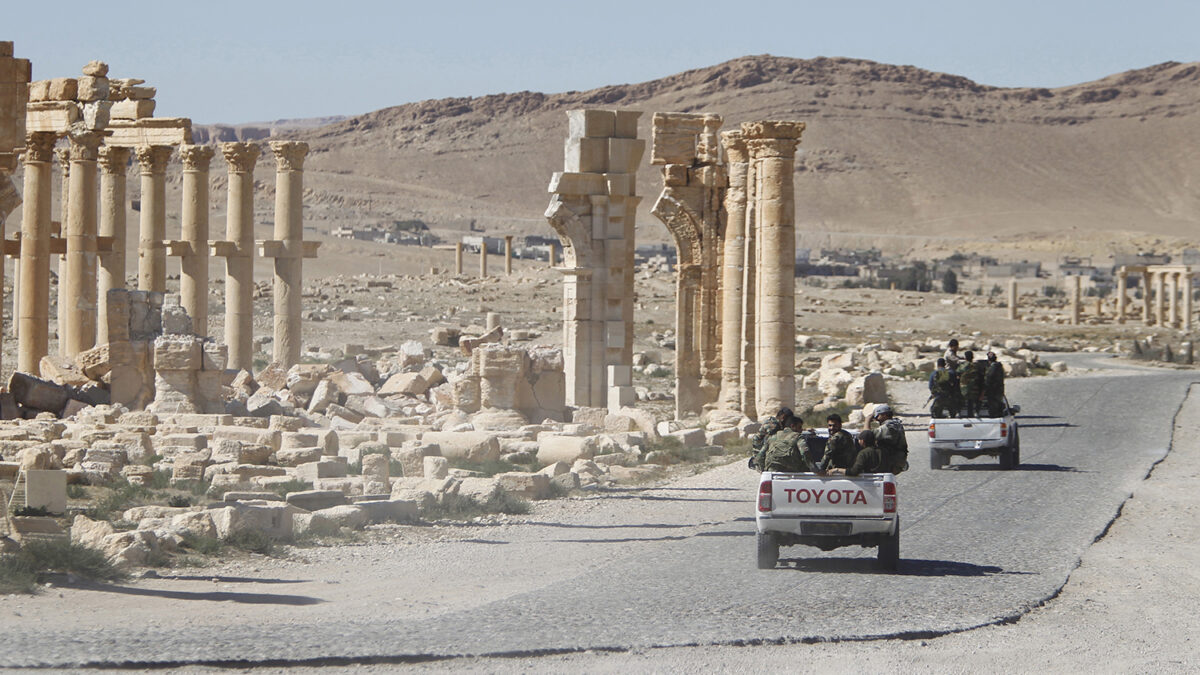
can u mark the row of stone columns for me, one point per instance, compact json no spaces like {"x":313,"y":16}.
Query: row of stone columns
{"x":94,"y":260}
{"x":1166,"y":295}
{"x":508,"y":256}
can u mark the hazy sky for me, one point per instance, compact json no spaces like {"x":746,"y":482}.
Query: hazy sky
{"x":222,"y":61}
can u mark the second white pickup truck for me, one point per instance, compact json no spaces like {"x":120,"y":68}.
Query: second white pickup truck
{"x":827,"y":512}
{"x":976,"y":436}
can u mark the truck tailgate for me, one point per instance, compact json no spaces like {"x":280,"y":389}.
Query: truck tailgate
{"x":829,"y":496}
{"x":969,"y":429}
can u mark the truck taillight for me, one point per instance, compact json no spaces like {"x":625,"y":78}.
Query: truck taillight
{"x":932,"y":430}
{"x":764,"y":496}
{"x":889,"y":497}
{"x":1003,"y":429}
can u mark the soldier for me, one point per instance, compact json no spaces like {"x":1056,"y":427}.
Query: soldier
{"x":971,"y":384}
{"x":840,"y":449}
{"x":784,"y":450}
{"x":868,"y":460}
{"x":951,"y":355}
{"x":890,"y":438}
{"x":773,"y":425}
{"x":943,"y":390}
{"x":993,"y":386}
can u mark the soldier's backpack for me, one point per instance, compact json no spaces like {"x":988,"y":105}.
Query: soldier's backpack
{"x":785,"y":453}
{"x":889,"y":438}
{"x":943,"y":383}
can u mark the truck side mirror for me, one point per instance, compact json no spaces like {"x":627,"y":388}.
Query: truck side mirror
{"x":1015,"y":409}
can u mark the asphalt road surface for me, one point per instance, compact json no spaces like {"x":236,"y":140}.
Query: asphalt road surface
{"x":672,"y":565}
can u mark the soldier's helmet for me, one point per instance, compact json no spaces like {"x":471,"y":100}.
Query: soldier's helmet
{"x":881,"y":409}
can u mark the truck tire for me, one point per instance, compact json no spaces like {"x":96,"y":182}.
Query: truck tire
{"x":936,"y":459}
{"x":1016,"y":449}
{"x":1006,"y":459}
{"x":889,"y":550}
{"x":768,"y":551}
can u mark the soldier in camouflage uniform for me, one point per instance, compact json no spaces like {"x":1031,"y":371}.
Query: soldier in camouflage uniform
{"x":785,"y":451}
{"x":870,"y":458}
{"x":840,"y":449}
{"x":772,"y":426}
{"x":944,"y":390}
{"x":890,"y":438}
{"x":993,"y":386}
{"x":971,"y":384}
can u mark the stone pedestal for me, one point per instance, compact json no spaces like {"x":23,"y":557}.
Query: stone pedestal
{"x":152,"y":224}
{"x":33,"y":323}
{"x":238,"y":250}
{"x":113,"y":164}
{"x":78,"y":333}
{"x":772,"y":148}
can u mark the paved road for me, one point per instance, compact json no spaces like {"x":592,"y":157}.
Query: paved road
{"x":666,"y":566}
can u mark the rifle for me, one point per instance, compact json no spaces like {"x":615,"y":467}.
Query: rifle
{"x":926,"y":404}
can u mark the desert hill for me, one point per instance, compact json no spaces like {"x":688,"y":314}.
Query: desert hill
{"x":893,"y":155}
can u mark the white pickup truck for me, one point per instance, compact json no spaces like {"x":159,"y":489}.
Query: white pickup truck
{"x":827,"y":512}
{"x":976,"y":436}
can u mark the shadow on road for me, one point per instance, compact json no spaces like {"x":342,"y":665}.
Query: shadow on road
{"x":1053,"y":468}
{"x":649,"y":526}
{"x":908,"y":567}
{"x":211,"y":596}
{"x":1049,"y":425}
{"x":226,"y":580}
{"x":661,"y":498}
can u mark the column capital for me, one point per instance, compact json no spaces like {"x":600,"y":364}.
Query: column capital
{"x":196,"y":157}
{"x":64,"y":157}
{"x":39,"y":146}
{"x":113,"y":160}
{"x":153,"y":158}
{"x":84,"y":146}
{"x":241,"y":157}
{"x":735,"y":146}
{"x":289,"y":155}
{"x":772,"y":138}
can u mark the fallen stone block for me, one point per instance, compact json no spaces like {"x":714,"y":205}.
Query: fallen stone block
{"x":473,"y":446}
{"x":390,"y":510}
{"x":351,"y":516}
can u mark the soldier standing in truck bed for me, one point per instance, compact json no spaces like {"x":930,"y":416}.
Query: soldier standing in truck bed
{"x":943,"y":388}
{"x":970,"y":379}
{"x":993,"y":386}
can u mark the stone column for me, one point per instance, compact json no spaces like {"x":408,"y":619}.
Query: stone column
{"x":1187,"y":300}
{"x":508,"y":255}
{"x":732,"y":273}
{"x":152,"y":225}
{"x":78,"y":333}
{"x":238,"y":251}
{"x":33,"y":323}
{"x":114,"y":162}
{"x":1076,"y":299}
{"x":1121,"y":295}
{"x":482,"y":258}
{"x":458,"y":258}
{"x":772,"y":147}
{"x":1160,"y":291}
{"x":747,"y":389}
{"x":1147,"y":288}
{"x":1172,"y":299}
{"x":64,"y":209}
{"x":289,"y":267}
{"x":553,"y":255}
{"x":193,"y":249}
{"x":1012,"y":299}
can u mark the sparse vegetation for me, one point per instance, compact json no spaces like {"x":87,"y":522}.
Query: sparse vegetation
{"x":20,"y":572}
{"x":253,"y":541}
{"x":462,"y":507}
